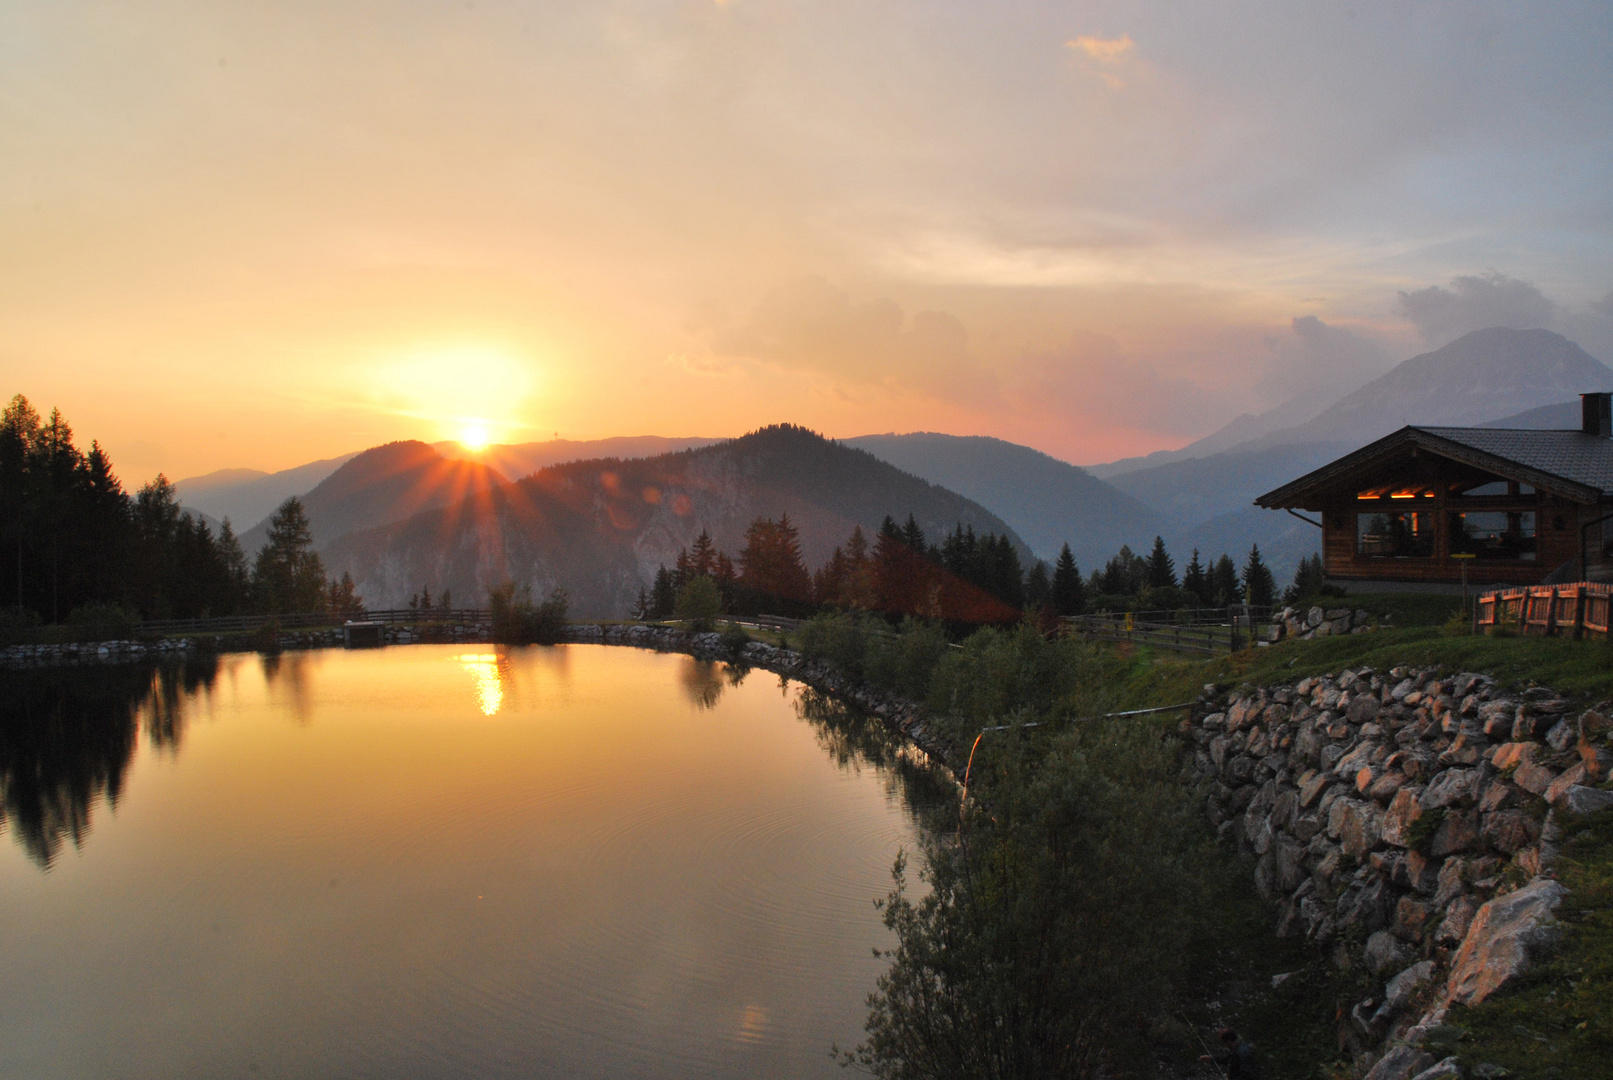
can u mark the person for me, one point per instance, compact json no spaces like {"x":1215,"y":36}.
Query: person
{"x":1239,"y":1059}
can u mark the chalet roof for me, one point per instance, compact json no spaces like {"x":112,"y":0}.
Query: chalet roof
{"x":1569,"y":463}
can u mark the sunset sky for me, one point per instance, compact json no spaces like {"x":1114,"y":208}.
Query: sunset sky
{"x":260,"y":234}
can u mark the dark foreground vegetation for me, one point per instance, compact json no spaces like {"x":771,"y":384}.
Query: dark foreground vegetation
{"x":1073,"y":916}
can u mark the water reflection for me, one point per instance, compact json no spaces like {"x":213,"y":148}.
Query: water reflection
{"x":856,"y":741}
{"x":289,"y":677}
{"x":491,"y":672}
{"x":67,"y":736}
{"x":704,"y":680}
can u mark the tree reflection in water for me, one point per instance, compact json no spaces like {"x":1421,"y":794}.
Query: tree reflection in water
{"x":67,"y":736}
{"x":855,"y":740}
{"x":704,"y":680}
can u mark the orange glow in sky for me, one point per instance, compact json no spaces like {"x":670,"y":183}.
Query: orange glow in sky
{"x":234,"y":239}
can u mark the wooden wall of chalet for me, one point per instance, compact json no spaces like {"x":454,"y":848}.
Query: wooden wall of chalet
{"x":1557,"y":523}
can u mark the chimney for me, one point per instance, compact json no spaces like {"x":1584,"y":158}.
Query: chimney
{"x":1596,"y":414}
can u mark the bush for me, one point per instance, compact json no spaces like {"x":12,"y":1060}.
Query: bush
{"x":517,"y":621}
{"x":904,"y":663}
{"x":102,"y":622}
{"x":734,"y":639}
{"x":699,"y":604}
{"x":839,"y":638}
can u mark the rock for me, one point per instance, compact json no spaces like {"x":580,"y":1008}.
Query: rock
{"x":1457,"y":921}
{"x":1598,"y":762}
{"x":1450,"y":881}
{"x":1357,"y":826}
{"x":1363,"y":709}
{"x":1507,"y":831}
{"x":1385,"y":787}
{"x":1451,"y":787}
{"x":1397,"y":820}
{"x":1496,"y":718}
{"x":1419,"y":873}
{"x":1400,"y":1063}
{"x":1575,"y":774}
{"x":1507,"y":934}
{"x":1533,"y":778}
{"x":1497,"y":796}
{"x":1442,"y":1070}
{"x":1401,"y":988}
{"x":1458,"y":832}
{"x":1384,"y":952}
{"x":1511,"y":755}
{"x":1411,"y":917}
{"x":1562,"y":734}
{"x":1580,"y":799}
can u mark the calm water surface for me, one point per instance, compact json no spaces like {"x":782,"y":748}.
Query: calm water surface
{"x":435,"y":861}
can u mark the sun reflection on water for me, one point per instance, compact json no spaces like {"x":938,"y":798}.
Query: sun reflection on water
{"x":485,"y":669}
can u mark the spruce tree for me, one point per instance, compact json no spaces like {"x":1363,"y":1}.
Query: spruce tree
{"x":1038,"y":587}
{"x":288,"y":575}
{"x":1196,"y":581}
{"x":1069,"y":594}
{"x":1224,"y":587}
{"x":1258,"y":584}
{"x":1161,"y":567}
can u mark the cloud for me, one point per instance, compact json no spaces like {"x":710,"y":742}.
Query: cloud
{"x":1105,"y":51}
{"x":1109,"y":53}
{"x":1094,"y":379}
{"x":1318,"y":361}
{"x":810,"y":324}
{"x":1474,"y":303}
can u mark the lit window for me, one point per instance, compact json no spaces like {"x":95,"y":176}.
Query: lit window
{"x":1407,"y":534}
{"x":1494,"y":534}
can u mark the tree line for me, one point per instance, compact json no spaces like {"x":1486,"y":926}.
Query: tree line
{"x":82,"y":549}
{"x":964,"y":579}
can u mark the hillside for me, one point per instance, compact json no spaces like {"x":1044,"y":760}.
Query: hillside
{"x":247,"y":496}
{"x":601,"y":528}
{"x":382,"y":485}
{"x":516,"y":460}
{"x":1047,"y":501}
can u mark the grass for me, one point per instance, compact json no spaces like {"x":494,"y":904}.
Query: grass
{"x":1557,"y":1023}
{"x":1582,"y":669}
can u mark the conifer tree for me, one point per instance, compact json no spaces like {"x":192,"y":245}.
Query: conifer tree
{"x":1258,"y":584}
{"x":1069,"y":594}
{"x":1161,"y":567}
{"x":913,"y":535}
{"x":664,"y":593}
{"x":1224,"y":586}
{"x":1038,"y":587}
{"x":1195,"y":581}
{"x":288,"y":575}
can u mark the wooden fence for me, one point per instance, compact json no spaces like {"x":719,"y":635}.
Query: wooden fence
{"x":235,"y":624}
{"x":1579,"y":609}
{"x":1201,"y":632}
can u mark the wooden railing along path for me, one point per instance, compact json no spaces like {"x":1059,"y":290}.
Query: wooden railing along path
{"x":1578,"y":609}
{"x":1200,"y":631}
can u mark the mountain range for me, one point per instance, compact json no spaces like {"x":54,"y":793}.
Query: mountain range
{"x":600,"y":516}
{"x":402,"y":516}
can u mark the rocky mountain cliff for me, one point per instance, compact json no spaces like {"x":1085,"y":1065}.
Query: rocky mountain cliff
{"x":601,"y":528}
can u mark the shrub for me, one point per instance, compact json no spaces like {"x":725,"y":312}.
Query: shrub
{"x":699,"y":603}
{"x":102,"y":622}
{"x":517,"y":621}
{"x":839,"y":638}
{"x":904,"y":663}
{"x":734,"y":639}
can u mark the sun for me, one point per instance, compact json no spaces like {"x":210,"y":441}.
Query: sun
{"x":474,"y":436}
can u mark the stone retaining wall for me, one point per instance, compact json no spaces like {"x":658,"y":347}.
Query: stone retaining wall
{"x":1404,"y":821}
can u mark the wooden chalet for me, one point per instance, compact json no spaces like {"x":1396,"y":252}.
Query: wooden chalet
{"x":1517,"y":507}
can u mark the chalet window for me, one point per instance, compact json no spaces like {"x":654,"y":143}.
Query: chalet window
{"x":1494,"y":534}
{"x":1406,"y":534}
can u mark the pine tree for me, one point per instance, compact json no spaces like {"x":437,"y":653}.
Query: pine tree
{"x":1161,"y":572}
{"x":1258,"y":585}
{"x":1038,"y":587}
{"x":1195,"y":581}
{"x":288,"y":575}
{"x":643,"y":607}
{"x":1224,"y":587}
{"x":1308,"y":580}
{"x":663,"y":594}
{"x":1069,"y":594}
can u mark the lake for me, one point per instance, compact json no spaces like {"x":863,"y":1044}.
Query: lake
{"x":439,"y":861}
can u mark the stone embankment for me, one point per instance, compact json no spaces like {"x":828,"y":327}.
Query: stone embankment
{"x":123,"y":652}
{"x":1404,"y":821}
{"x":900,"y":714}
{"x":1316,"y":622}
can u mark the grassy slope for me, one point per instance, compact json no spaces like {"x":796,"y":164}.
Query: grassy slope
{"x":1558,"y":1024}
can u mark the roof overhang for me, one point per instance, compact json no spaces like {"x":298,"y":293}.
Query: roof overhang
{"x":1305,"y":491}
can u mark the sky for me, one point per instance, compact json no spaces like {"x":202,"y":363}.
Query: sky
{"x":260,"y":234}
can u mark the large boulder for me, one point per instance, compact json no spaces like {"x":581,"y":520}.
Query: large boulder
{"x":1580,"y":799}
{"x":1400,"y":1063}
{"x":1507,"y":935}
